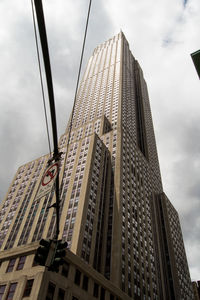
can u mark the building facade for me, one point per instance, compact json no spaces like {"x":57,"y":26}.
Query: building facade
{"x":196,"y":289}
{"x":114,"y":214}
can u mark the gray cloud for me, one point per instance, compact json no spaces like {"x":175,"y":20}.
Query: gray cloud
{"x":161,"y":37}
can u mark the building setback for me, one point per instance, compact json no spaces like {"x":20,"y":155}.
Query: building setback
{"x":124,"y":236}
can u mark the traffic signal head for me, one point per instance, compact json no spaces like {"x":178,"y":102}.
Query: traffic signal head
{"x":42,"y":252}
{"x":61,"y":248}
{"x":60,"y":251}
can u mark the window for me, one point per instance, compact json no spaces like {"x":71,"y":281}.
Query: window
{"x":85,"y":283}
{"x":50,"y":291}
{"x":77,"y":278}
{"x":28,"y":288}
{"x":21,"y":262}
{"x":74,"y":298}
{"x":111,"y":297}
{"x":11,"y":265}
{"x":11,"y":291}
{"x":65,"y":269}
{"x":96,"y":290}
{"x":2,"y":290}
{"x":102,"y":294}
{"x":61,"y":294}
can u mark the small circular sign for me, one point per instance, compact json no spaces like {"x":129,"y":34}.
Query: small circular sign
{"x":49,"y":175}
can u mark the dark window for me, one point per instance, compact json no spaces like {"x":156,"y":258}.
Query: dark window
{"x":61,"y":294}
{"x":112,"y":297}
{"x":21,"y":262}
{"x":140,"y":117}
{"x":28,"y":288}
{"x":11,"y":291}
{"x":77,"y":278}
{"x":34,"y":263}
{"x":50,"y":291}
{"x":96,"y":290}
{"x":102,"y":297}
{"x":123,"y":286}
{"x":65,"y":269}
{"x":129,"y":292}
{"x":85,"y":283}
{"x":74,"y":298}
{"x":2,"y":290}
{"x":11,"y":265}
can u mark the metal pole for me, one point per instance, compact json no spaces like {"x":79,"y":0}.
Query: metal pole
{"x":57,"y":208}
{"x":47,"y":65}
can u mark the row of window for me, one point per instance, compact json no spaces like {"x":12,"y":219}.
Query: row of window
{"x":12,"y":262}
{"x":51,"y":292}
{"x":92,"y":203}
{"x":99,"y":90}
{"x":98,"y":291}
{"x":136,"y":221}
{"x":179,"y":251}
{"x":9,"y":293}
{"x":24,"y":204}
{"x":73,"y":203}
{"x":15,"y":264}
{"x":13,"y":207}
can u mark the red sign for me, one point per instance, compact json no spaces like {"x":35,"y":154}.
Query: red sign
{"x":47,"y":181}
{"x":49,"y":175}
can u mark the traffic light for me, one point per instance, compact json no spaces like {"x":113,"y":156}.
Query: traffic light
{"x":59,"y":254}
{"x":42,"y":252}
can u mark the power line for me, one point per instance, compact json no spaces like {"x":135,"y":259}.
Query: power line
{"x":79,"y":72}
{"x":45,"y":51}
{"x":78,"y":78}
{"x":41,"y":80}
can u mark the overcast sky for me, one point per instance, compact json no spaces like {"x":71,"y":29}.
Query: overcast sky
{"x":161,"y":33}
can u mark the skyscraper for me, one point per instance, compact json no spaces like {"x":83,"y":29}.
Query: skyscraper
{"x":120,"y":227}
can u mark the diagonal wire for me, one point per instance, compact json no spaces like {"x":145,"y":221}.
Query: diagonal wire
{"x":77,"y":84}
{"x":41,"y":80}
{"x":79,"y":72}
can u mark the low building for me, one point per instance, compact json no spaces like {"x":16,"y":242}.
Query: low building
{"x":21,"y":278}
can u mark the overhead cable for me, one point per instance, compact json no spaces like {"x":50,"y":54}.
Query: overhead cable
{"x":79,"y":71}
{"x":41,"y":80}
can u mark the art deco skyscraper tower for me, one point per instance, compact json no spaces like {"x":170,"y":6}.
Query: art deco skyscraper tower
{"x":114,"y":214}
